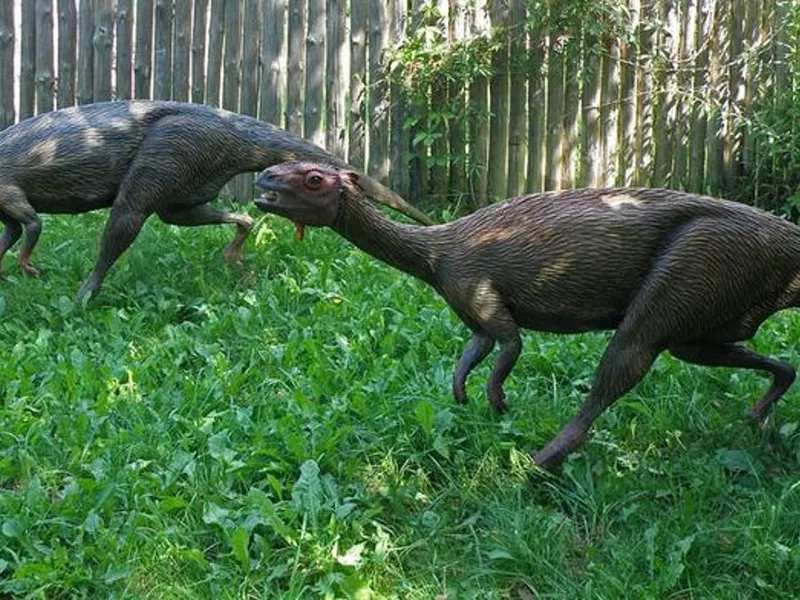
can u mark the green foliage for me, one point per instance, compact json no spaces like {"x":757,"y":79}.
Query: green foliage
{"x":287,"y":431}
{"x":773,"y":126}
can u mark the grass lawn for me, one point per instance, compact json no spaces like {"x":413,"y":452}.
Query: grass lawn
{"x":287,"y":431}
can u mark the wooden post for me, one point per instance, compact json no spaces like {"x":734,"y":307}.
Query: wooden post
{"x":518,"y":118}
{"x":377,"y":100}
{"x":436,"y":122}
{"x":248,"y":103}
{"x":627,"y":100}
{"x":44,"y":56}
{"x":418,"y":184}
{"x":162,"y":56}
{"x":85,"y":51}
{"x":733,"y":143}
{"x":662,"y":98}
{"x":7,"y":112}
{"x":232,"y":81}
{"x":569,"y":148}
{"x":181,"y":50}
{"x":296,"y":65}
{"x":590,"y":173}
{"x":103,"y":44}
{"x":199,"y":51}
{"x":699,"y":123}
{"x":715,"y":167}
{"x":479,"y":118}
{"x":315,"y":72}
{"x":555,"y":114}
{"x":686,"y":12}
{"x":536,"y":111}
{"x":642,"y":140}
{"x":273,"y":81}
{"x":751,"y":76}
{"x":27,"y":79}
{"x":250,"y":56}
{"x":609,"y":111}
{"x":142,"y":68}
{"x":216,"y":37}
{"x":336,"y":78}
{"x":233,"y":56}
{"x":401,"y":138}
{"x":457,"y":95}
{"x":358,"y":70}
{"x":124,"y":48}
{"x":498,"y":122}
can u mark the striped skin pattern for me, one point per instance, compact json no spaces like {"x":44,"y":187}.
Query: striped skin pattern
{"x":138,"y":158}
{"x":666,"y":270}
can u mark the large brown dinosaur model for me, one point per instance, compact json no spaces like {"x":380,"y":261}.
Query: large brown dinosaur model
{"x":667,"y":270}
{"x":139,"y":158}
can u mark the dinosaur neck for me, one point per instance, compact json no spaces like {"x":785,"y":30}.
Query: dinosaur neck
{"x":271,"y":145}
{"x":410,"y":248}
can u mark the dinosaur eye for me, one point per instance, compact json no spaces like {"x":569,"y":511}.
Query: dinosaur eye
{"x":314,"y":181}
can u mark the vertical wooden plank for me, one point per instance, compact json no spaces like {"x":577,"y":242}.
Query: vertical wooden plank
{"x":479,"y":117}
{"x":569,"y":146}
{"x":248,"y":105}
{"x":67,"y":52}
{"x":216,"y":38}
{"x":437,"y":118}
{"x":401,"y":138}
{"x":717,"y":92}
{"x":698,"y":120}
{"x":518,"y":118}
{"x":182,"y":40}
{"x":627,"y":93}
{"x":358,"y":67}
{"x":781,"y":46}
{"x":233,"y":56}
{"x":272,"y":72}
{"x":457,"y":95}
{"x":685,"y":34}
{"x":103,"y":44}
{"x":590,"y":172}
{"x":296,"y":65}
{"x":142,"y":68}
{"x":377,"y":98}
{"x":662,"y":96}
{"x":199,"y":51}
{"x":336,"y":78}
{"x":85,"y":51}
{"x":610,"y":111}
{"x":555,"y":114}
{"x":733,"y":143}
{"x":418,"y":185}
{"x":44,"y":56}
{"x":315,"y":72}
{"x":751,"y":77}
{"x":250,"y":56}
{"x":7,"y":111}
{"x":642,"y":147}
{"x":124,"y":49}
{"x":499,"y":104}
{"x":536,"y":111}
{"x":231,"y":83}
{"x":27,"y":79}
{"x":162,"y":55}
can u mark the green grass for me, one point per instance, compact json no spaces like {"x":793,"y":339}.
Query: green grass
{"x":287,"y":431}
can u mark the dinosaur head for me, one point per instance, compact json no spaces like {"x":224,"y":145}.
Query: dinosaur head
{"x":306,"y":193}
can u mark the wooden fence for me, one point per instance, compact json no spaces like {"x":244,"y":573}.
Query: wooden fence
{"x":658,"y":108}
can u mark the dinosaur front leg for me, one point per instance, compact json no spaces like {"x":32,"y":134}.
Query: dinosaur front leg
{"x":203,"y":214}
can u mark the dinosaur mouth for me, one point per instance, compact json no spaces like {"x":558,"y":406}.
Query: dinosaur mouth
{"x":269,"y":202}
